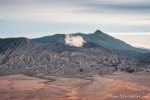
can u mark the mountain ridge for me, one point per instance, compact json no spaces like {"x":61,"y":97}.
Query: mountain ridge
{"x":10,"y":43}
{"x":98,"y":37}
{"x":26,"y":57}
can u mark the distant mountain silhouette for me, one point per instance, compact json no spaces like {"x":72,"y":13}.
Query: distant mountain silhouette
{"x":98,"y":37}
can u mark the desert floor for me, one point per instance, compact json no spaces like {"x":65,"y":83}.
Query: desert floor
{"x":120,"y":86}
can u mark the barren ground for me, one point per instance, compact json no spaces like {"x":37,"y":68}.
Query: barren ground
{"x":120,"y":86}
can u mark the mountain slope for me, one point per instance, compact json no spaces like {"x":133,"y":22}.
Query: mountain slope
{"x":9,"y":45}
{"x":97,"y":37}
{"x":61,"y":60}
{"x":50,"y":39}
{"x":144,"y":58}
{"x":12,"y":43}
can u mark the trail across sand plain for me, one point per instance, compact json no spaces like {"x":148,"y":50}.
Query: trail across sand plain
{"x":20,"y":87}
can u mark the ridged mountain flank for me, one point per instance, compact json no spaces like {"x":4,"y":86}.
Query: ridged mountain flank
{"x":98,"y":37}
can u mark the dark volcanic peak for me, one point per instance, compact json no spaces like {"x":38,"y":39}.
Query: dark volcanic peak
{"x":98,"y":37}
{"x":97,"y":32}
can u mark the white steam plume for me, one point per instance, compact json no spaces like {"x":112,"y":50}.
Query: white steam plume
{"x":71,"y":40}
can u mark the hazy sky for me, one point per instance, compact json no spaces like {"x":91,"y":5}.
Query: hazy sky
{"x":128,"y":20}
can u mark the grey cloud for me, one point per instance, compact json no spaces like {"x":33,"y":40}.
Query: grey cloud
{"x":116,"y":6}
{"x":97,"y":8}
{"x":88,"y":4}
{"x":79,"y":9}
